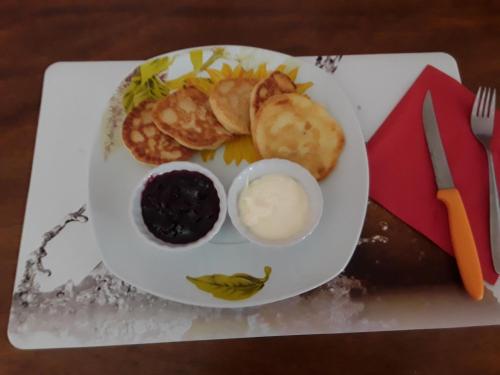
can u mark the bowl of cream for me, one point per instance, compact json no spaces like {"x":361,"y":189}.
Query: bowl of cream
{"x":275,"y":203}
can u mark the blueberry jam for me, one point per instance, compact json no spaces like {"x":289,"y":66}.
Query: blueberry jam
{"x":180,"y":207}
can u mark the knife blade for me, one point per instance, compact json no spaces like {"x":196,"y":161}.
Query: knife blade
{"x":462,"y":238}
{"x":444,"y":180}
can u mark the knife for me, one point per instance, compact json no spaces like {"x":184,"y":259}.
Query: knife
{"x":462,"y":238}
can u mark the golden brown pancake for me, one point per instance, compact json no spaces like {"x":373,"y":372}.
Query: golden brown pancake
{"x":277,"y":83}
{"x":145,"y":142}
{"x":293,"y":127}
{"x":230,"y":102}
{"x":187,"y":117}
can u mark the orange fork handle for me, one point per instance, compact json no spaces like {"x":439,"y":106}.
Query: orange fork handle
{"x":463,"y":242}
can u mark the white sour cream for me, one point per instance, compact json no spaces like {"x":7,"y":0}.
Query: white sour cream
{"x":274,"y":207}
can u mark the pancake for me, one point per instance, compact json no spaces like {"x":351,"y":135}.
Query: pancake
{"x":145,"y":142}
{"x":230,"y":102}
{"x":293,"y":127}
{"x":186,"y":116}
{"x":277,"y":83}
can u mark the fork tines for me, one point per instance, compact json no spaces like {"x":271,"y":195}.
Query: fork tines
{"x":484,"y":104}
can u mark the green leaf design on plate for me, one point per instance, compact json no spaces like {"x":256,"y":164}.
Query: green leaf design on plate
{"x":217,"y":53}
{"x":146,"y":84}
{"x":231,"y":287}
{"x":151,"y":68}
{"x":196,"y":57}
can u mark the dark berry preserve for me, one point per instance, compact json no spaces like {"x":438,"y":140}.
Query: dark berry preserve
{"x":180,"y":207}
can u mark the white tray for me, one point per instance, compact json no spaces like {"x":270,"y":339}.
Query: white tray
{"x":81,"y":304}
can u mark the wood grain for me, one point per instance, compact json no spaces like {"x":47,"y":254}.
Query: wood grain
{"x":35,"y":34}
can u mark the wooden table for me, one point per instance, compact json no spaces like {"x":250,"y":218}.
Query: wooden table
{"x":32,"y":36}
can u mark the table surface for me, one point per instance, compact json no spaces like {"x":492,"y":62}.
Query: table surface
{"x":34,"y":35}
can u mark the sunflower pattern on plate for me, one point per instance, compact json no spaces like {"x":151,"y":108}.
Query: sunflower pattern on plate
{"x":240,"y":148}
{"x":150,"y":81}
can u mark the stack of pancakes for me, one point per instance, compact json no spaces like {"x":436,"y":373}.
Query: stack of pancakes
{"x":172,"y":128}
{"x":282,"y":123}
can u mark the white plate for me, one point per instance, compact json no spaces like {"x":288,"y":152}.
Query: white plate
{"x":323,"y":255}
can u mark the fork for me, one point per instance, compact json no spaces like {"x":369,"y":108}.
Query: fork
{"x":482,"y":120}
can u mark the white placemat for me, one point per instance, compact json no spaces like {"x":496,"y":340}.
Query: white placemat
{"x":64,"y":296}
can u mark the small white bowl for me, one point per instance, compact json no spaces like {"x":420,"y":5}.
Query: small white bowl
{"x":276,"y":166}
{"x":136,"y":211}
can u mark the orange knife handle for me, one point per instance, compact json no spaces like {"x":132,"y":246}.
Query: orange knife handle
{"x":463,"y":242}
